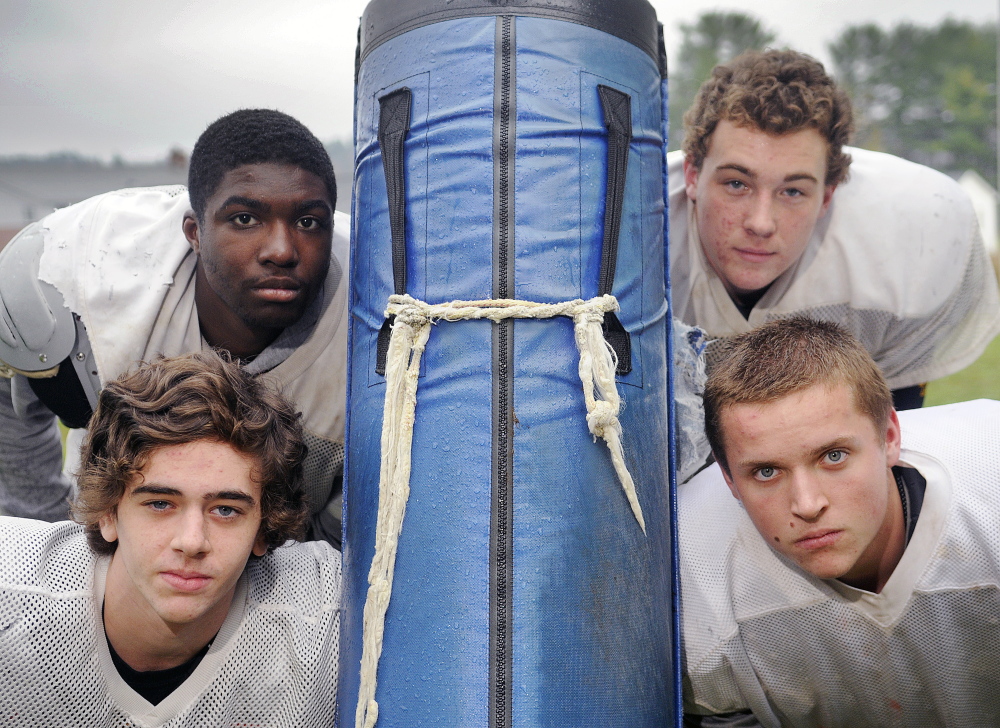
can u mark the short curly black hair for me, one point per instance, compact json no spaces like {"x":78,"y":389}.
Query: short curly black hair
{"x":254,"y":136}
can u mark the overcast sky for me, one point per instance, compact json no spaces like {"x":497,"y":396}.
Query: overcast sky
{"x":119,"y":77}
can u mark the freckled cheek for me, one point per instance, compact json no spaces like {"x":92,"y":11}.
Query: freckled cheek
{"x":725,"y":222}
{"x":721,"y":238}
{"x":717,"y":216}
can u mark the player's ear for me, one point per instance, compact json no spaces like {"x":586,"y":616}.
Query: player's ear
{"x":259,"y":544}
{"x":191,"y":231}
{"x":827,"y":198}
{"x":893,"y":438}
{"x":690,"y":179}
{"x":109,"y":526}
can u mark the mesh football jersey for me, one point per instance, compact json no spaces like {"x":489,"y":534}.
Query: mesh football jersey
{"x":898,"y":259}
{"x":760,"y":634}
{"x":273,"y":663}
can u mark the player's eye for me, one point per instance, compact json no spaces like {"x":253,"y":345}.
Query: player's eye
{"x":158,"y":505}
{"x":244,"y":219}
{"x":311,"y":223}
{"x":765,"y":473}
{"x":835,"y":457}
{"x":226,"y":511}
{"x":736,"y":185}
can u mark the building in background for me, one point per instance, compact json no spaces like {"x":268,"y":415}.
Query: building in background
{"x":32,"y":187}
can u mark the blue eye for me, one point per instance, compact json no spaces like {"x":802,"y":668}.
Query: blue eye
{"x":765,"y":473}
{"x":836,"y":456}
{"x":226,"y":511}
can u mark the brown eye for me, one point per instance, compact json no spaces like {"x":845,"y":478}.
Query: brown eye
{"x":310,"y":223}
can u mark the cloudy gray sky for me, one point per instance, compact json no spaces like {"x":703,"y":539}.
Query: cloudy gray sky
{"x":117,"y":77}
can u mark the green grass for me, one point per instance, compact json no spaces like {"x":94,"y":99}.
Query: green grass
{"x":980,"y":379}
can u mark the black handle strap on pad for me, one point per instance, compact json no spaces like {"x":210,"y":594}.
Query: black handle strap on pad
{"x":393,"y":126}
{"x":617,"y":107}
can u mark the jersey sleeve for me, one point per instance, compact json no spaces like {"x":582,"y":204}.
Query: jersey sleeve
{"x":951,"y":337}
{"x":923,"y":294}
{"x":899,"y":261}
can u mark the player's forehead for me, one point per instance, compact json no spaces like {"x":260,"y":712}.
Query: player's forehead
{"x":199,"y":470}
{"x":271,"y":183}
{"x":796,"y":424}
{"x":733,"y":145}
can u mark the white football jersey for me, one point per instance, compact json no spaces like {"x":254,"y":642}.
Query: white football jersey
{"x":898,"y":259}
{"x":273,"y":663}
{"x":761,"y":635}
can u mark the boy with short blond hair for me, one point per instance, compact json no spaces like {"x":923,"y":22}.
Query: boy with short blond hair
{"x":840,"y":564}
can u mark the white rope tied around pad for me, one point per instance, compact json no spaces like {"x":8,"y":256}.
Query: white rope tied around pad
{"x":410,"y":332}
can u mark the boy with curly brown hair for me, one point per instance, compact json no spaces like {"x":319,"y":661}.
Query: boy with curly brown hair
{"x":175,"y":601}
{"x":772,"y":216}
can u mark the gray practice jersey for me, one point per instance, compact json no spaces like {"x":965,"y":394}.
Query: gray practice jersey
{"x":273,"y":663}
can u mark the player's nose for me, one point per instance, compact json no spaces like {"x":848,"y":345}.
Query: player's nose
{"x":191,"y":534}
{"x":760,"y":219}
{"x":279,"y":247}
{"x":808,"y":499}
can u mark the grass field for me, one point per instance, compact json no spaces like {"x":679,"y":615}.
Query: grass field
{"x":980,"y":380}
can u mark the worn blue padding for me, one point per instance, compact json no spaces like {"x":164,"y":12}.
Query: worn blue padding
{"x":591,"y":596}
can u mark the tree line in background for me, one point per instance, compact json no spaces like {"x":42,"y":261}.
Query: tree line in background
{"x":924,"y":93}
